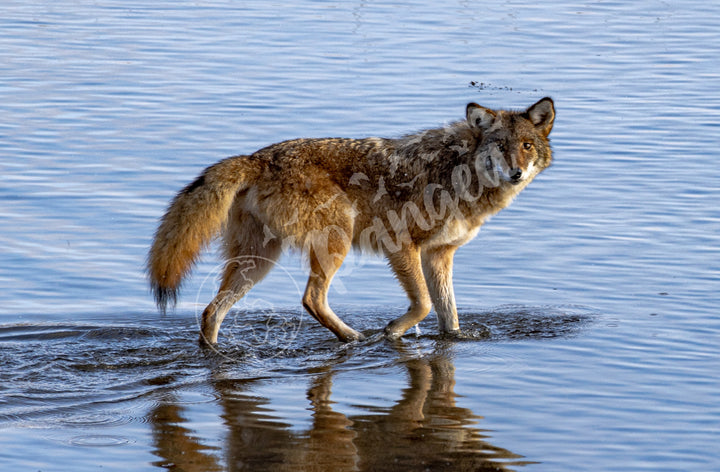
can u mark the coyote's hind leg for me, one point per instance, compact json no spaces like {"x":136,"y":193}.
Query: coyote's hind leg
{"x":326,"y":257}
{"x":249,"y":259}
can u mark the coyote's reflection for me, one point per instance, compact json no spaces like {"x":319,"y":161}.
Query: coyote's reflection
{"x":423,"y":430}
{"x":178,"y":448}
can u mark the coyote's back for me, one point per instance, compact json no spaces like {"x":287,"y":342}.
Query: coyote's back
{"x":414,"y":199}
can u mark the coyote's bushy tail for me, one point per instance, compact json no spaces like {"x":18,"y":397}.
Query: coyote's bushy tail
{"x":194,"y":217}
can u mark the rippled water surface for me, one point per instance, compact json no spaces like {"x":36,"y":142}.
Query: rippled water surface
{"x":591,"y":332}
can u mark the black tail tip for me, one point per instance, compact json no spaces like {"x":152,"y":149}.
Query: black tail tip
{"x":164,"y":296}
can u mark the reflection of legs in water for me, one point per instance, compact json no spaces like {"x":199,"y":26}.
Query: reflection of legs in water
{"x":426,"y":427}
{"x":174,"y":443}
{"x":423,"y":429}
{"x":256,"y":440}
{"x":331,"y":437}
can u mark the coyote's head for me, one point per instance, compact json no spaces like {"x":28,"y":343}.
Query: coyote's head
{"x":513,"y":145}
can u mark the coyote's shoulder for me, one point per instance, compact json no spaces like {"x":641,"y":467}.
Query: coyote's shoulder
{"x":414,"y":199}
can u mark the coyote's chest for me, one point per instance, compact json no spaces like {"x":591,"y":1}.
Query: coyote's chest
{"x":454,"y":232}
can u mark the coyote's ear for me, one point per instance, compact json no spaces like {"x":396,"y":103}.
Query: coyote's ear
{"x":479,"y":117}
{"x":542,"y":115}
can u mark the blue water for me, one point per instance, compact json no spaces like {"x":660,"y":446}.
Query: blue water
{"x":591,"y":304}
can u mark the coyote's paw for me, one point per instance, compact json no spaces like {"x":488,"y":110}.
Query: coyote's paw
{"x":203,"y":342}
{"x":452,"y":334}
{"x":392,"y":334}
{"x":351,"y":336}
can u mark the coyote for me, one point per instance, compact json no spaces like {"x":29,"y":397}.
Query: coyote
{"x":413,"y":199}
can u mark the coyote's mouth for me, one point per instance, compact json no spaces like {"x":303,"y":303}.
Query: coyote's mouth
{"x":513,"y":176}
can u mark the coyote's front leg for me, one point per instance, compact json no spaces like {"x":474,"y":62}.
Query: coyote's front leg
{"x":437,"y":267}
{"x":408,"y":268}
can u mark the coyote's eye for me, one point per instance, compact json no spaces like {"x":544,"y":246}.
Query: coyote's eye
{"x":527,"y":146}
{"x":501,"y":147}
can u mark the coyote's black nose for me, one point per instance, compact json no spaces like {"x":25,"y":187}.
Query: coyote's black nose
{"x":515,"y":174}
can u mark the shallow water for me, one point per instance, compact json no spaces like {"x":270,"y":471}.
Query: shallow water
{"x":589,"y":307}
